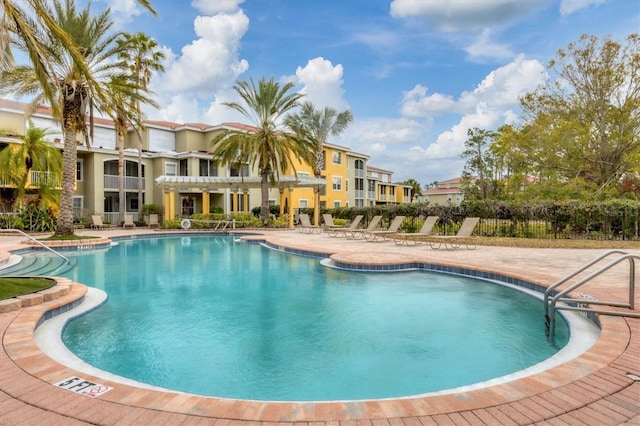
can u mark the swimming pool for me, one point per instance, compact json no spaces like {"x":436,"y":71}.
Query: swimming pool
{"x":251,"y":323}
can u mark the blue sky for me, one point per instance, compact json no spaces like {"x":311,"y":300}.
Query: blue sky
{"x":416,"y":74}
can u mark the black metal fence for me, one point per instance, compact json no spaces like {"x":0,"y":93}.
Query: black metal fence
{"x":618,"y":220}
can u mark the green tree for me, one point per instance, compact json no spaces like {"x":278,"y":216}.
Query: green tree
{"x":35,"y":153}
{"x":587,"y":121}
{"x":19,"y":23}
{"x":416,"y":189}
{"x":316,"y":126}
{"x":479,"y":170}
{"x":124,"y":108}
{"x":144,"y":57}
{"x":76,"y":88}
{"x":268,"y":146}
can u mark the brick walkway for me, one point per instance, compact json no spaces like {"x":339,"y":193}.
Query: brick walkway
{"x":593,"y":389}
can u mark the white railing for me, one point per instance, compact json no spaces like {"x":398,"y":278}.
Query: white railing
{"x":359,"y":193}
{"x":111,"y":182}
{"x":371,"y":195}
{"x":114,"y":217}
{"x":359,"y":173}
{"x":39,"y":178}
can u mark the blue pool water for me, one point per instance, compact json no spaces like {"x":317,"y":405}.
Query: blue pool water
{"x":210,"y":316}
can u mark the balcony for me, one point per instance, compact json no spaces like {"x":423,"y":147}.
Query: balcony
{"x":130,"y":182}
{"x":37,"y":179}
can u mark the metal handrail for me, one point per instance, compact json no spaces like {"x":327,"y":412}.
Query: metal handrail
{"x":550,"y":307}
{"x":37,"y":242}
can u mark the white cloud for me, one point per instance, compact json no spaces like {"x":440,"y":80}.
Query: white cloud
{"x":212,"y":7}
{"x":488,"y":106}
{"x":209,"y":64}
{"x":123,"y":11}
{"x":416,"y":103}
{"x":454,"y":15}
{"x":484,"y":48}
{"x":568,"y":7}
{"x":179,"y":109}
{"x":322,"y":83}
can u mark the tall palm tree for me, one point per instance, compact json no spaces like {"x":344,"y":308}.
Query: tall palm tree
{"x":125,"y":97}
{"x":316,"y":126}
{"x":37,"y":153}
{"x":19,"y":20}
{"x":76,"y":87}
{"x":143,"y":55}
{"x":269,"y":146}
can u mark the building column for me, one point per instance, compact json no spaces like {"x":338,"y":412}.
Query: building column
{"x":245,"y":200}
{"x":316,"y":207}
{"x":169,"y":204}
{"x":205,"y":201}
{"x":235,"y":201}
{"x":281,"y":203}
{"x":291,"y":207}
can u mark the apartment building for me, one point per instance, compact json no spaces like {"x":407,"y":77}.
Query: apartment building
{"x":180,"y":174}
{"x":447,"y":192}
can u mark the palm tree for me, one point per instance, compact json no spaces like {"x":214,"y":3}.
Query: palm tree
{"x":76,"y":88}
{"x":144,"y":57}
{"x":316,"y":126}
{"x":268,"y":146}
{"x":18,"y":23}
{"x":125,"y":97}
{"x":34,"y":153}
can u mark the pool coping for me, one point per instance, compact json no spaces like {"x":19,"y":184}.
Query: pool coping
{"x":605,"y":365}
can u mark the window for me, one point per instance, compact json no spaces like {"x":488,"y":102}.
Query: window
{"x":303,"y":174}
{"x":78,"y":205}
{"x":184,"y":167}
{"x":208,"y":168}
{"x":359,"y":165}
{"x":171,"y":169}
{"x":337,"y":183}
{"x":336,"y":204}
{"x":392,"y":191}
{"x":79,"y":170}
{"x":304,"y":203}
{"x":337,"y":157}
{"x":346,"y":185}
{"x":235,"y":170}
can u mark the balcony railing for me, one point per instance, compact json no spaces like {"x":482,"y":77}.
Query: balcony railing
{"x":112,"y":217}
{"x":111,"y":182}
{"x":37,"y":178}
{"x":359,"y":193}
{"x":359,"y":173}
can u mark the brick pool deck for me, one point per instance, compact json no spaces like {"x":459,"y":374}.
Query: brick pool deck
{"x":596,"y":388}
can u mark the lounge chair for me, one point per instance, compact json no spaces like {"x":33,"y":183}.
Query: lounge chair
{"x":337,"y":230}
{"x":381,"y":235}
{"x":463,"y":236}
{"x":413,"y":238}
{"x":306,"y":226}
{"x":128,"y":221}
{"x":97,"y":223}
{"x":153,"y":221}
{"x":354,"y":234}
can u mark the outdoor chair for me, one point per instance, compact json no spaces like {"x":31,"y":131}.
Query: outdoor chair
{"x":354,"y":234}
{"x":128,"y":221}
{"x":464,"y":236}
{"x":97,"y":223}
{"x":305,"y":225}
{"x":380,"y":235}
{"x":413,"y":238}
{"x":334,"y":231}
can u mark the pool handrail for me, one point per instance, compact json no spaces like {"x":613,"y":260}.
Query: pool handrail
{"x":40,"y":243}
{"x":551,"y":306}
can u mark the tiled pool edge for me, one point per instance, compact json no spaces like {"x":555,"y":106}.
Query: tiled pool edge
{"x":611,"y":347}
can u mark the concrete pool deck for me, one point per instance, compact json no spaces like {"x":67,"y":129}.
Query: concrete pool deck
{"x":599,"y":387}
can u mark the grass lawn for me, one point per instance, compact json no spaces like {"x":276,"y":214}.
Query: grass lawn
{"x":12,"y":287}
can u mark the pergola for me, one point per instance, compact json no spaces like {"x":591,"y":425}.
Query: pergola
{"x":238,"y":185}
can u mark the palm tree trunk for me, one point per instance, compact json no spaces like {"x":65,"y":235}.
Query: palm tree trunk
{"x":121,"y":197}
{"x":264,"y":187}
{"x":64,"y":225}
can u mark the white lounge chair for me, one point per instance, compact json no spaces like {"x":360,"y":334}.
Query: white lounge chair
{"x":128,"y":221}
{"x":306,"y":226}
{"x":336,"y":231}
{"x":412,"y":238}
{"x":97,"y":223}
{"x":380,"y":235}
{"x":464,"y":236}
{"x":354,"y":234}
